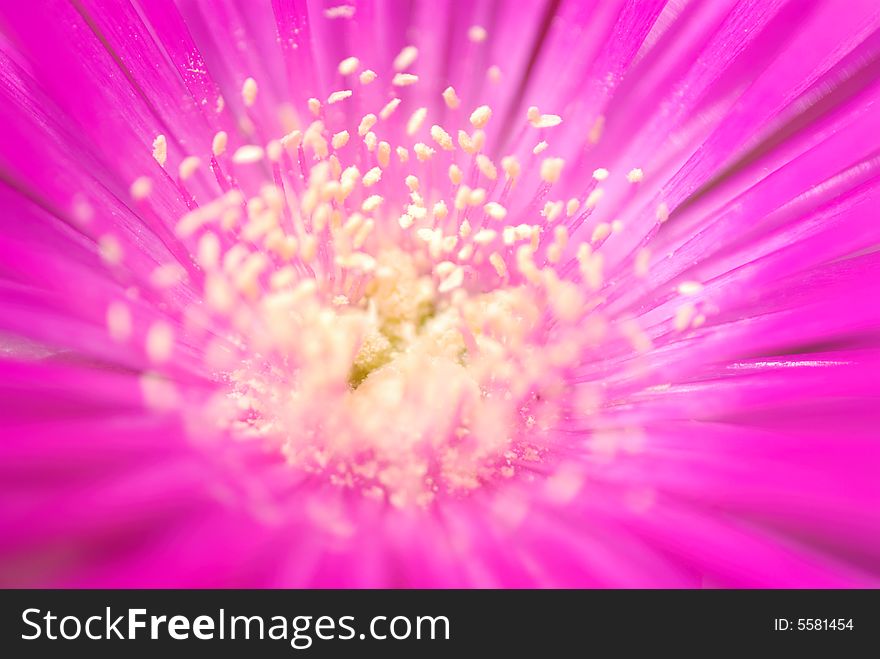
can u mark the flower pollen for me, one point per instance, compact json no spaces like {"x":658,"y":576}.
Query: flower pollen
{"x":384,"y":337}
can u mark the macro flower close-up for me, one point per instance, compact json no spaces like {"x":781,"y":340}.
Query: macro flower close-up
{"x":409,"y":293}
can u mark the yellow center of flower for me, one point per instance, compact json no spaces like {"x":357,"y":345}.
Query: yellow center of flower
{"x":390,"y":315}
{"x":407,"y":392}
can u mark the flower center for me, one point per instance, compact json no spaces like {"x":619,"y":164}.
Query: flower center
{"x":406,"y":393}
{"x":403,"y":317}
{"x":397,"y":318}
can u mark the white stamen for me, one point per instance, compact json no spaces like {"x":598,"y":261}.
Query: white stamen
{"x":110,"y":249}
{"x":292,"y":140}
{"x":683,"y":316}
{"x":188,"y":167}
{"x":538,"y":120}
{"x":476,"y":197}
{"x":552,"y":210}
{"x":635,"y":175}
{"x":389,"y":108}
{"x":662,"y":212}
{"x":596,"y":131}
{"x":464,"y":141}
{"x":450,"y":98}
{"x":383,"y":154}
{"x":341,"y":11}
{"x":690,"y":288}
{"x":560,"y":236}
{"x":250,"y":153}
{"x":511,"y":167}
{"x":495,"y":210}
{"x":348,"y":66}
{"x":484,"y":236}
{"x":372,"y":177}
{"x":487,"y":167}
{"x":601,"y":232}
{"x":338,"y":96}
{"x":218,"y":144}
{"x":443,"y":268}
{"x":498,"y":263}
{"x":340,"y":139}
{"x":119,"y":322}
{"x":141,"y":188}
{"x":167,"y":275}
{"x":594,"y":197}
{"x":423,"y":151}
{"x":642,"y":261}
{"x":455,"y":174}
{"x":480,"y":117}
{"x":547,"y":121}
{"x":551,"y":169}
{"x":160,"y":150}
{"x":309,"y":248}
{"x":508,"y":236}
{"x":442,"y":138}
{"x":405,"y":58}
{"x":415,"y":121}
{"x":160,"y":342}
{"x":82,"y":210}
{"x":249,"y":91}
{"x":208,"y":251}
{"x":404,"y":79}
{"x":591,"y":266}
{"x":477,"y":34}
{"x":372,"y":203}
{"x":274,"y":151}
{"x":452,"y":281}
{"x":367,"y":122}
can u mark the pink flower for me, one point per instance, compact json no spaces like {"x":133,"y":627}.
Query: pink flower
{"x":440,"y":294}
